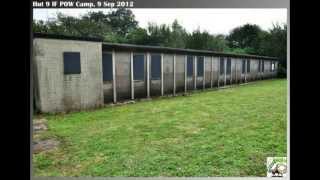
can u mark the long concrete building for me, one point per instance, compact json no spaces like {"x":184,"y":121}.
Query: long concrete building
{"x":72,"y":73}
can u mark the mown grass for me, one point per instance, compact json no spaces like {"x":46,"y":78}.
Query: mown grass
{"x":229,"y":132}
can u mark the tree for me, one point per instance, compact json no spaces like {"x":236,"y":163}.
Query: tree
{"x":275,"y":44}
{"x":218,"y":43}
{"x":206,"y":41}
{"x":178,"y":35}
{"x":113,"y":26}
{"x":138,"y":36}
{"x":83,"y":26}
{"x":246,"y":37}
{"x":158,"y":35}
{"x":122,"y":21}
{"x":39,"y":26}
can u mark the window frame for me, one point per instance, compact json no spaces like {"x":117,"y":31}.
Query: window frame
{"x":202,"y":67}
{"x":227,"y":69}
{"x":192,"y":60}
{"x":221,"y":69}
{"x":151,"y":63}
{"x":69,"y":71}
{"x":243,"y":66}
{"x":248,"y":66}
{"x":133,"y":61}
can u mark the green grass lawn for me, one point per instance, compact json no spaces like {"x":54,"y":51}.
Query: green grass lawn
{"x":228,"y":132}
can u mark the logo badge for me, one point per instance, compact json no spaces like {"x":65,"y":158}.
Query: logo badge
{"x":276,"y":166}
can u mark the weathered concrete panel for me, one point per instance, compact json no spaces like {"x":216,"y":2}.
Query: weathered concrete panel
{"x":238,"y":65}
{"x":254,"y":69}
{"x":59,"y":92}
{"x":140,"y":89}
{"x":155,"y":87}
{"x":200,"y":82}
{"x":108,"y":91}
{"x":123,"y":82}
{"x":190,"y":83}
{"x":168,"y":73}
{"x":180,"y":72}
{"x":207,"y":71}
{"x":56,"y":92}
{"x":249,"y":74}
{"x":215,"y":72}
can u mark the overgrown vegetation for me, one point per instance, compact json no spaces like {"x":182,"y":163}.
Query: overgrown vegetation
{"x":120,"y":26}
{"x":229,"y":132}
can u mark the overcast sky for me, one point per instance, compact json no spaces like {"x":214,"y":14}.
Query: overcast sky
{"x":216,"y":21}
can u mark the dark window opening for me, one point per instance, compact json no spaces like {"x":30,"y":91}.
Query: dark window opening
{"x":200,"y":68}
{"x":189,"y":66}
{"x":243,"y":66}
{"x":155,"y":66}
{"x":228,"y":66}
{"x":71,"y":63}
{"x":259,"y":66}
{"x":262,"y":66}
{"x":248,"y":66}
{"x":107,"y":66}
{"x":138,"y":67}
{"x":221,"y":66}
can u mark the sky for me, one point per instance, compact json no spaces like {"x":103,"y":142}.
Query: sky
{"x":215,"y":21}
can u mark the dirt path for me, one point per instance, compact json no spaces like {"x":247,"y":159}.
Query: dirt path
{"x":39,"y":144}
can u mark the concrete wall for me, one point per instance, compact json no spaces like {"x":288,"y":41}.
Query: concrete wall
{"x":254,"y":69}
{"x":238,"y":68}
{"x":168,"y":73}
{"x":180,"y":73}
{"x":207,"y":71}
{"x":56,"y":92}
{"x":59,"y":92}
{"x":215,"y":73}
{"x":249,"y":74}
{"x":267,"y":70}
{"x":234,"y":71}
{"x":123,"y":76}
